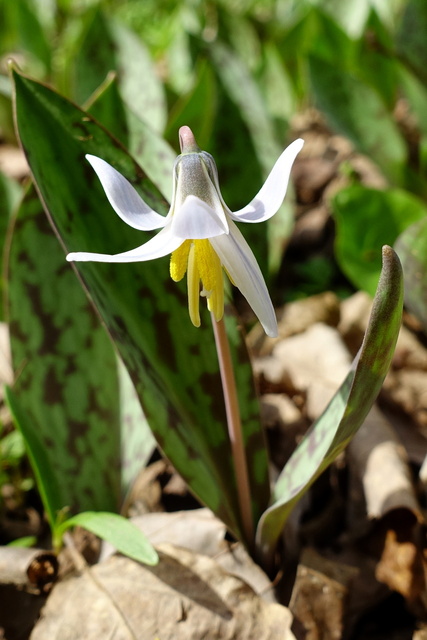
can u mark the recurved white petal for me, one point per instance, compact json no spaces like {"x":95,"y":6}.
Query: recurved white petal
{"x":163,"y":243}
{"x":195,"y":220}
{"x":237,"y":257}
{"x":271,"y":195}
{"x":124,"y":199}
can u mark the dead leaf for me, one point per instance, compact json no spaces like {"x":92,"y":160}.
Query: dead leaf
{"x":319,"y":596}
{"x":200,"y":531}
{"x":185,"y":597}
{"x":401,"y":566}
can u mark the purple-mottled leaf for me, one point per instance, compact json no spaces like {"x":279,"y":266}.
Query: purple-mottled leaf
{"x":346,"y":411}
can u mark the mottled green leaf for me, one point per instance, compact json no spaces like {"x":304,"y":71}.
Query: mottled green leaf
{"x":365,"y":220}
{"x":172,"y":364}
{"x":66,"y":388}
{"x":116,"y":530}
{"x":347,"y":409}
{"x":411,"y":247}
{"x":109,"y":46}
{"x":137,"y":442}
{"x":51,"y":493}
{"x":356,"y":110}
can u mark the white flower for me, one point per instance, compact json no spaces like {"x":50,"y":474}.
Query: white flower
{"x":199,"y":230}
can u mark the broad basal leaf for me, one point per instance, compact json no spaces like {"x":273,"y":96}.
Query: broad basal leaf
{"x":66,"y":395}
{"x":172,"y":364}
{"x":345,"y":412}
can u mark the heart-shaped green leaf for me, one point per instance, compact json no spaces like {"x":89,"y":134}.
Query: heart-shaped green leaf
{"x":346,"y":411}
{"x":172,"y":364}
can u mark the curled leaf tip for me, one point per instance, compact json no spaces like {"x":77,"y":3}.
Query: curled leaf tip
{"x":387,"y":250}
{"x":187,"y":141}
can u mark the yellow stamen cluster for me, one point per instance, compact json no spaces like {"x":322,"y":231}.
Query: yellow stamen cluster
{"x":198,"y":259}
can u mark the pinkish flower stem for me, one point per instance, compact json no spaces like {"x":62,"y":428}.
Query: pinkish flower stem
{"x":234,"y":428}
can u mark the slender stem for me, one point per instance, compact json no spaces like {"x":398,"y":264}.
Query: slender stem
{"x":234,"y":427}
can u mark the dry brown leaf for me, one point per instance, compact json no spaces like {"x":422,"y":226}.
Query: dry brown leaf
{"x":198,"y":530}
{"x":401,"y":566}
{"x":185,"y":597}
{"x":319,"y":596}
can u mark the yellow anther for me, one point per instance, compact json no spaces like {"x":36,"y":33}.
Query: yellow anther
{"x":200,"y":261}
{"x":179,"y":261}
{"x":193,"y":286}
{"x":210,"y":269}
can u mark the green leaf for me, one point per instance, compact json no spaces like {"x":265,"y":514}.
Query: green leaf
{"x":10,"y":195}
{"x":376,"y":61}
{"x":366,"y":219}
{"x":26,"y":542}
{"x":109,"y":46}
{"x":137,"y":442}
{"x":410,"y":39}
{"x":116,"y":530}
{"x":277,"y":86}
{"x":245,"y":93}
{"x":350,"y":16}
{"x":47,"y":481}
{"x":172,"y":364}
{"x":66,"y":379}
{"x":355,"y":110}
{"x":411,"y":247}
{"x":347,"y":410}
{"x":197,"y":108}
{"x":21,"y":32}
{"x":143,"y":143}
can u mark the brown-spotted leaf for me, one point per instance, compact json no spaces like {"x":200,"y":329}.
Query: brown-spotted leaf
{"x":346,"y":411}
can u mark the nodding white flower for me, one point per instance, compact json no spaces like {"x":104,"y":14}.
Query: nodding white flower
{"x":199,"y":230}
